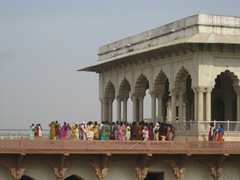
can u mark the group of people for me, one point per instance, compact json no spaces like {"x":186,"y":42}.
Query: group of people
{"x":113,"y":131}
{"x":35,"y":131}
{"x":216,"y":134}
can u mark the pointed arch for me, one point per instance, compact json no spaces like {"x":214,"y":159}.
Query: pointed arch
{"x":224,"y":96}
{"x":74,"y":177}
{"x":124,"y":88}
{"x":142,"y":84}
{"x":181,"y":78}
{"x":122,"y":99}
{"x":107,"y":111}
{"x":184,"y":95}
{"x":161,"y":90}
{"x":110,"y":91}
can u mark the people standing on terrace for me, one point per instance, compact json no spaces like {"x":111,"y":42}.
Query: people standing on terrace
{"x":156,"y":130}
{"x":69,"y":131}
{"x":105,"y":131}
{"x":150,"y":131}
{"x":128,"y":132}
{"x":140,"y":128}
{"x":40,"y":131}
{"x":74,"y":127}
{"x":32,"y":131}
{"x":134,"y":131}
{"x":115,"y":130}
{"x":36,"y":131}
{"x":124,"y":130}
{"x":220,"y":132}
{"x":211,"y":134}
{"x":52,"y":130}
{"x":64,"y":130}
{"x":170,"y":133}
{"x":90,"y":130}
{"x":58,"y":131}
{"x":96,"y":131}
{"x":145,"y":133}
{"x":121,"y":131}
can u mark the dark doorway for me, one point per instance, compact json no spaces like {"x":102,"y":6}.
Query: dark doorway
{"x":218,"y":109}
{"x":155,"y":176}
{"x":24,"y":177}
{"x":73,"y":177}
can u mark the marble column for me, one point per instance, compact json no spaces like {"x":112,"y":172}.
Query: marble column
{"x":238,"y":106}
{"x":180,"y":110}
{"x":237,"y":90}
{"x":195,"y":104}
{"x":153,"y":107}
{"x":173,"y":106}
{"x":208,"y":103}
{"x":103,"y":110}
{"x":160,"y":107}
{"x":140,"y":108}
{"x":110,"y":113}
{"x":118,"y":109}
{"x":134,"y":109}
{"x":169,"y":111}
{"x":200,"y":103}
{"x":125,"y":109}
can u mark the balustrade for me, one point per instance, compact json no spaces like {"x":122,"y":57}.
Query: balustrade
{"x":25,"y":146}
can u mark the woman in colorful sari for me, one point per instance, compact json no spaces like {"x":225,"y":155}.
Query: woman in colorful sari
{"x":96,"y":131}
{"x":150,"y":131}
{"x":128,"y":132}
{"x":121,"y":131}
{"x":52,"y":130}
{"x":140,"y":129}
{"x":64,"y":130}
{"x":74,"y":127}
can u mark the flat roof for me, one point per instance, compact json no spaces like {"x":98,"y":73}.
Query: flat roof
{"x":200,"y":28}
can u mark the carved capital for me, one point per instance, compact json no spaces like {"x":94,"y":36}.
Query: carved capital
{"x":17,"y":173}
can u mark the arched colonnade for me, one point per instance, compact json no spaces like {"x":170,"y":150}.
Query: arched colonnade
{"x":178,"y":92}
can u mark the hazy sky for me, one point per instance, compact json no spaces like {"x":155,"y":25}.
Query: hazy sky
{"x":43,"y":44}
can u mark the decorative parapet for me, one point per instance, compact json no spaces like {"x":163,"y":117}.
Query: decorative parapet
{"x":23,"y":146}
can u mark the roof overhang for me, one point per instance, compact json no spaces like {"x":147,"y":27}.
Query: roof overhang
{"x":198,"y":42}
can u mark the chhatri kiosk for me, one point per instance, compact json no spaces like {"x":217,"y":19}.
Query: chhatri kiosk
{"x":191,"y":69}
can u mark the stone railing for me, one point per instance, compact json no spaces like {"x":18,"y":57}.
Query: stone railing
{"x":25,"y":146}
{"x":203,"y":126}
{"x":19,"y":133}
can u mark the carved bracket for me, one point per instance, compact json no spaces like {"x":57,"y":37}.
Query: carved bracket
{"x":60,"y":173}
{"x":101,"y":166}
{"x":17,"y":173}
{"x":141,"y":172}
{"x":178,"y":166}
